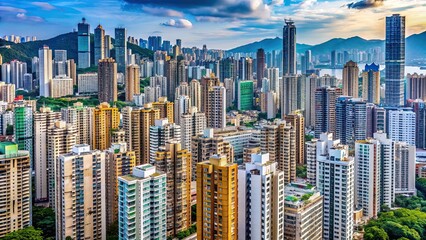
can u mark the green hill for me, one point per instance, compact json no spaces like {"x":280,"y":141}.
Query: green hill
{"x":67,"y":41}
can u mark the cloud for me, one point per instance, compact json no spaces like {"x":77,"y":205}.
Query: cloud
{"x":44,"y":5}
{"x":363,"y":4}
{"x":24,"y":17}
{"x":11,"y":9}
{"x":228,"y":9}
{"x":178,"y":23}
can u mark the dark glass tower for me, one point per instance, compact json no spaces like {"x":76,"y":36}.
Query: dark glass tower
{"x":121,"y":49}
{"x":83,"y":44}
{"x":289,"y":48}
{"x":260,"y":56}
{"x":395,"y":60}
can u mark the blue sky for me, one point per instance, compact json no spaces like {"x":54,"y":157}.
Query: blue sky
{"x":217,"y":23}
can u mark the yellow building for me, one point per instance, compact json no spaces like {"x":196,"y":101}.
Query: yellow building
{"x":105,"y":119}
{"x":15,"y":188}
{"x":176,"y":163}
{"x":118,"y":162}
{"x":297,"y":120}
{"x":217,"y":199}
{"x":166,"y":108}
{"x":136,"y":123}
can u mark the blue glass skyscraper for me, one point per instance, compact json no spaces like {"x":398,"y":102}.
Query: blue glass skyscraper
{"x":289,"y":48}
{"x":395,"y":60}
{"x":83,"y":44}
{"x":121,"y":49}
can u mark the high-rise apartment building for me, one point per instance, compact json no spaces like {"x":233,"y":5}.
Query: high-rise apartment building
{"x":217,"y":199}
{"x":416,"y":86}
{"x":214,"y":102}
{"x":166,"y":108}
{"x":395,"y":60}
{"x":23,"y":129}
{"x":192,"y":124}
{"x":61,"y":86}
{"x":118,"y":162}
{"x":132,"y":82}
{"x":376,"y":119}
{"x":260,"y":71}
{"x":43,"y":120}
{"x":120,"y":47}
{"x":175,"y":162}
{"x":80,"y":212}
{"x":181,"y":106}
{"x":402,"y":126}
{"x":99,"y":42}
{"x":206,"y":144}
{"x":371,"y":83}
{"x":142,"y":202}
{"x":61,"y":137}
{"x":325,"y":110}
{"x":261,"y":190}
{"x":83,"y":44}
{"x":107,"y":80}
{"x":350,"y":79}
{"x":245,"y":95}
{"x":160,"y":133}
{"x":314,"y":148}
{"x":405,"y":172}
{"x":292,"y":94}
{"x":351,"y":120}
{"x":297,"y":120}
{"x":335,"y":182}
{"x":105,"y":119}
{"x":289,"y":48}
{"x":195,"y":94}
{"x":7,"y":92}
{"x":303,"y":212}
{"x":82,"y":118}
{"x":45,"y":70}
{"x":15,"y":188}
{"x":229,"y":85}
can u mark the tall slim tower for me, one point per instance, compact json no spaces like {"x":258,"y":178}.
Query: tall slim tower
{"x":214,"y":102}
{"x":260,"y":56}
{"x":371,"y":83}
{"x":107,"y":80}
{"x":289,"y":48}
{"x":121,"y":49}
{"x":350,"y":79}
{"x":325,"y":110}
{"x":99,"y":44}
{"x":45,"y":71}
{"x":24,"y":130}
{"x":132,"y":82}
{"x":395,"y":60}
{"x":105,"y":119}
{"x":83,"y":44}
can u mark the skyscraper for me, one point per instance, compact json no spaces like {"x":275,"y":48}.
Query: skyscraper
{"x":195,"y":94}
{"x":289,"y":48}
{"x":99,"y":44}
{"x":416,"y":86}
{"x":325,"y":110}
{"x":292,"y":94}
{"x":15,"y":188}
{"x":245,"y":90}
{"x":351,"y":120}
{"x":24,"y":130}
{"x":144,"y":189}
{"x":260,"y":71}
{"x":297,"y":120}
{"x":83,"y":44}
{"x":402,"y":126}
{"x":371,"y":83}
{"x":107,"y":80}
{"x":217,"y":199}
{"x":105,"y":119}
{"x":214,"y":102}
{"x":176,"y":163}
{"x":395,"y":60}
{"x":350,"y":79}
{"x":405,"y":172}
{"x":160,"y":134}
{"x":120,"y":46}
{"x":261,"y":190}
{"x":132,"y":82}
{"x":45,"y":71}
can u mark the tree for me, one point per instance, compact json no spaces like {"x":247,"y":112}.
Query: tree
{"x":9,"y":129}
{"x":375,"y":233}
{"x":28,"y":233}
{"x":301,"y":171}
{"x":421,"y":186}
{"x":44,"y":219}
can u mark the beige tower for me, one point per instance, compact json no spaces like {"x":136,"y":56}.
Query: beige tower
{"x":350,"y":79}
{"x":105,"y":120}
{"x":297,"y":120}
{"x":82,"y":118}
{"x":192,"y":124}
{"x":15,"y":188}
{"x":195,"y":94}
{"x":176,"y":163}
{"x":107,"y":80}
{"x":60,"y":139}
{"x":214,"y":102}
{"x":132,"y":82}
{"x":43,"y":120}
{"x":217,"y":199}
{"x":371,"y":83}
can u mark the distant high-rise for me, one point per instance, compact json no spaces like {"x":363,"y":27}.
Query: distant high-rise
{"x":24,"y":130}
{"x":214,"y":102}
{"x":402,"y":126}
{"x":132,"y":82}
{"x":120,"y":46}
{"x":395,"y":60}
{"x":350,"y":79}
{"x":371,"y":83}
{"x":105,"y":120}
{"x":15,"y":186}
{"x":292,"y":94}
{"x":416,"y":86}
{"x":351,"y":120}
{"x":107,"y":46}
{"x":325,"y":110}
{"x":217,"y":177}
{"x":264,"y":205}
{"x":171,"y":69}
{"x":245,"y":95}
{"x":83,"y":44}
{"x":99,"y":44}
{"x":45,"y":71}
{"x":289,"y":48}
{"x":260,"y":71}
{"x":107,"y":80}
{"x":148,"y":180}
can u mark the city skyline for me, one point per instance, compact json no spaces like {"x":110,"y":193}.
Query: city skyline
{"x":215,"y":23}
